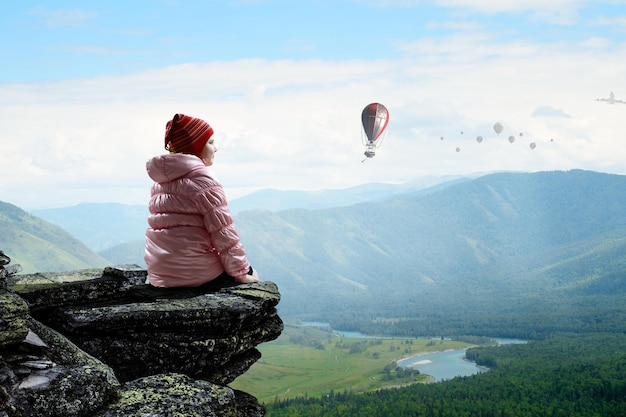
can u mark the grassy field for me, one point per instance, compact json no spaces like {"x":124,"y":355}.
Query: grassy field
{"x":305,"y":361}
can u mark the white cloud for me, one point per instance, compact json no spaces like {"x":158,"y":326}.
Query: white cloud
{"x":549,"y":111}
{"x":615,"y":22}
{"x":553,"y":7}
{"x":296,"y":124}
{"x":64,"y":17}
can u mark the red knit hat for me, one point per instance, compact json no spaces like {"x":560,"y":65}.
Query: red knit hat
{"x":186,"y":134}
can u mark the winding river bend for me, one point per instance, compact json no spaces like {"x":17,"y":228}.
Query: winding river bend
{"x":448,"y":364}
{"x":441,"y":366}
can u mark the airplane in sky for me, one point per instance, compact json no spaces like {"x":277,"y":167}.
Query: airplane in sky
{"x":611,"y":99}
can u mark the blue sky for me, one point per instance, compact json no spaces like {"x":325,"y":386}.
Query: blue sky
{"x":59,"y":40}
{"x":86,"y":88}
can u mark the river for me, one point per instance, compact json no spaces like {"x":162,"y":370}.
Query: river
{"x":440,"y":365}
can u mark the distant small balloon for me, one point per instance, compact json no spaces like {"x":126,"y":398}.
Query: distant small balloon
{"x":533,"y":145}
{"x":479,"y":139}
{"x":441,"y":138}
{"x":498,"y":127}
{"x":521,"y":134}
{"x":458,"y":149}
{"x":511,"y":139}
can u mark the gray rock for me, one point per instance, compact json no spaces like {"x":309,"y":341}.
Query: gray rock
{"x":124,"y":348}
{"x":139,"y":330}
{"x":13,"y":314}
{"x":179,"y":395}
{"x":47,"y":375}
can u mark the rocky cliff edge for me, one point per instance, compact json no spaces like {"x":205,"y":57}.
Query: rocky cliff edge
{"x":102,"y":343}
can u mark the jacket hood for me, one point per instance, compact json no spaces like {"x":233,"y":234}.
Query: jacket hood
{"x":164,"y":168}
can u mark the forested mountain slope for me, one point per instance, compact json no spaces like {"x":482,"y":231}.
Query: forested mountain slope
{"x":499,"y":239}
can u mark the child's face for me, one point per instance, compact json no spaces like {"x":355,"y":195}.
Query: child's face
{"x":208,"y":153}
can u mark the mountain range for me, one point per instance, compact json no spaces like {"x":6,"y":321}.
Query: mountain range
{"x":499,"y":243}
{"x":115,"y":231}
{"x":104,"y":226}
{"x":278,"y":200}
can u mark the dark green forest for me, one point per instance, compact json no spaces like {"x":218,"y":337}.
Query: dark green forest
{"x":527,"y":319}
{"x":569,"y":375}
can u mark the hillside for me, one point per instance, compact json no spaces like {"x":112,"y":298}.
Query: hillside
{"x":40,"y":246}
{"x":506,"y":240}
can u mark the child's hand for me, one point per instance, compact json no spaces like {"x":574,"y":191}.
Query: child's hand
{"x":247,"y":278}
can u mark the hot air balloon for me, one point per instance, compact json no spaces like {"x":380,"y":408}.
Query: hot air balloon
{"x":498,"y":127}
{"x":511,"y":139}
{"x":374,"y":118}
{"x":532,"y":145}
{"x":458,"y":149}
{"x":479,"y":139}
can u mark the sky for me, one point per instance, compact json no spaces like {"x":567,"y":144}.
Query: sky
{"x":86,"y":88}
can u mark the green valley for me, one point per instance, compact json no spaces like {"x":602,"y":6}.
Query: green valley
{"x":565,"y":375}
{"x":308,"y":362}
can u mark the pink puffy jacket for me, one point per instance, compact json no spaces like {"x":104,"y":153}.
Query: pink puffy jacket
{"x":191,"y":239}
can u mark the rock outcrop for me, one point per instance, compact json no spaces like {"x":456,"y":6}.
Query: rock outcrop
{"x":104,"y":343}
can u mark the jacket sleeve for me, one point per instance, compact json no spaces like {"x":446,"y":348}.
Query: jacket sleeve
{"x":219,"y":223}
